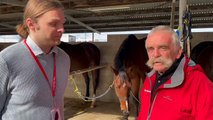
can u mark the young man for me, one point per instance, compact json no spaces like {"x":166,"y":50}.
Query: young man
{"x":34,"y":72}
{"x":176,"y":88}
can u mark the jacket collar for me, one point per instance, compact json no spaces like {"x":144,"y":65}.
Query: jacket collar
{"x":178,"y":76}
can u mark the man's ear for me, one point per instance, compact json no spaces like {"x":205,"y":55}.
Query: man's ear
{"x":179,"y":53}
{"x":30,"y":24}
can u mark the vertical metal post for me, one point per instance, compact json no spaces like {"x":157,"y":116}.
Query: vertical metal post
{"x":93,"y":37}
{"x":173,"y":5}
{"x":182,"y":8}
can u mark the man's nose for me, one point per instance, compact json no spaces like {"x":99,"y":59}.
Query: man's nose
{"x":156,"y":53}
{"x":61,"y":30}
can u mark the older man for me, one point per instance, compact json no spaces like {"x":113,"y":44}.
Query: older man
{"x":176,"y":88}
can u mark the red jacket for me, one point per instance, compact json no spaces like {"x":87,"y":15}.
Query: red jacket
{"x":187,"y":95}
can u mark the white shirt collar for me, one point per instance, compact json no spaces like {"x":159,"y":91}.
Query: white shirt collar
{"x":36,"y":49}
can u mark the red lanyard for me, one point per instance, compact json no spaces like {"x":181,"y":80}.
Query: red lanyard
{"x":42,"y":69}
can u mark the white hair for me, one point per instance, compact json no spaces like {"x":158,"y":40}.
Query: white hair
{"x":168,"y":29}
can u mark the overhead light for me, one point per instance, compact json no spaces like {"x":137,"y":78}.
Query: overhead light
{"x":107,"y":8}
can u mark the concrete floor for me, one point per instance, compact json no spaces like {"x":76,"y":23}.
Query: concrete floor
{"x":76,"y":109}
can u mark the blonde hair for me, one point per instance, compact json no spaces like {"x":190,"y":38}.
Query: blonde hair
{"x":34,"y":9}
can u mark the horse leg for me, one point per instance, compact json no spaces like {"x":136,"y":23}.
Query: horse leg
{"x":95,"y":79}
{"x":87,"y":81}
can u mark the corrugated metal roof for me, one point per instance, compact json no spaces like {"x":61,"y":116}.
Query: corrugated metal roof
{"x":112,"y":15}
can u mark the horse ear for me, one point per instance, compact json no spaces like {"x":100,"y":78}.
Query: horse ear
{"x":114,"y":70}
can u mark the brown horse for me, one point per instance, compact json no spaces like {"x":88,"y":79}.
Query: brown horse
{"x":129,"y":69}
{"x":203,"y":54}
{"x":82,"y":56}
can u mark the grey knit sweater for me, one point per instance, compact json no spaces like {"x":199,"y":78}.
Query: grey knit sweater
{"x":24,"y":92}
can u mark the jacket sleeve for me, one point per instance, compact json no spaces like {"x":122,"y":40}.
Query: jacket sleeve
{"x":3,"y":83}
{"x":204,"y":103}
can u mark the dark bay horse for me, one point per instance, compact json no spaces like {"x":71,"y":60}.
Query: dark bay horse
{"x":84,"y":55}
{"x":203,"y":54}
{"x":129,"y":69}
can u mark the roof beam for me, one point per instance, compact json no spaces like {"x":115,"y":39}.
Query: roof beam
{"x":14,"y":2}
{"x":101,"y":3}
{"x":22,"y":4}
{"x":11,"y":15}
{"x":7,"y":25}
{"x":81,"y":23}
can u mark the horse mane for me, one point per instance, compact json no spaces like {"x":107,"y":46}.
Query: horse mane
{"x":126,"y":53}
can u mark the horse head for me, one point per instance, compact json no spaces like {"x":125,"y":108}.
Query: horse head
{"x":121,"y":78}
{"x":122,"y":88}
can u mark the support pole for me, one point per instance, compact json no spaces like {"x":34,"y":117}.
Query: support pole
{"x":182,"y":8}
{"x":173,"y":5}
{"x":93,"y":37}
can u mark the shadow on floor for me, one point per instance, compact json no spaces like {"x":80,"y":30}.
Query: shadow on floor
{"x":73,"y":107}
{"x":77,"y":109}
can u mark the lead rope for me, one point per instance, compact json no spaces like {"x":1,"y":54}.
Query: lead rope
{"x":135,"y":97}
{"x":77,"y":91}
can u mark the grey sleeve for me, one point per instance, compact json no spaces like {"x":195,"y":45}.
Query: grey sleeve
{"x":4,"y":73}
